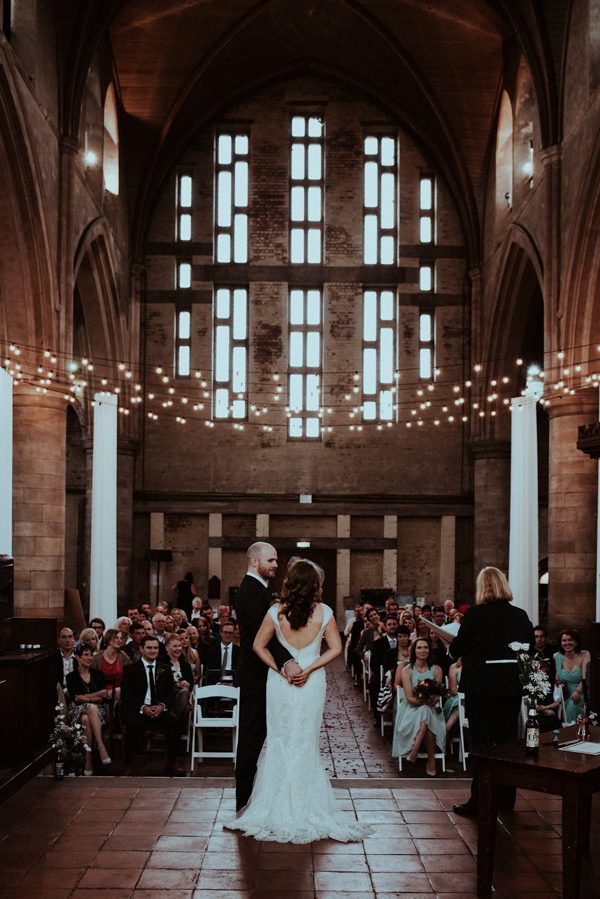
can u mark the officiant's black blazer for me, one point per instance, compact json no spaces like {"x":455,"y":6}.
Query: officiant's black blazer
{"x":485,"y":633}
{"x":251,"y":604}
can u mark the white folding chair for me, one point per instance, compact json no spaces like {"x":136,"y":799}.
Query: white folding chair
{"x":420,"y":755}
{"x":366,"y":669}
{"x":206,"y":721}
{"x":463,"y":722}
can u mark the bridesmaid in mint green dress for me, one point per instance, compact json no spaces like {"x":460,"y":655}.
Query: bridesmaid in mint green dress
{"x":571,"y":666}
{"x":450,"y":707}
{"x":417,"y":724}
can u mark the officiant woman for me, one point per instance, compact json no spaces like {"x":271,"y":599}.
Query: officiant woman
{"x":490,"y":673}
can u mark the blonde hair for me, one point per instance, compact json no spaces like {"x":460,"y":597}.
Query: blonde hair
{"x":492,"y":586}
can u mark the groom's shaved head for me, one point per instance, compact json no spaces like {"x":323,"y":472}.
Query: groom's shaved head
{"x":262,"y":558}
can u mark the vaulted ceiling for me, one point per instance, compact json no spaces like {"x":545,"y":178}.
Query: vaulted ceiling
{"x":434,"y":66}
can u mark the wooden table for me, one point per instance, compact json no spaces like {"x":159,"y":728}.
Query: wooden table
{"x":574,"y":776}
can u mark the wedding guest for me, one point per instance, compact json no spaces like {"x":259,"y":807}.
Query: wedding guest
{"x":162,"y":607}
{"x":223,"y":658}
{"x":450,"y":707}
{"x":439,"y":616}
{"x":189,"y":653}
{"x":493,"y":692}
{"x":183,"y":678}
{"x":123,"y":624}
{"x":379,"y":653}
{"x":448,"y":609}
{"x":196,"y":609}
{"x":205,"y":639}
{"x":111,"y":661}
{"x":571,"y":664}
{"x":99,"y":627}
{"x":133,"y":614}
{"x":407,"y":620}
{"x":145,"y":610}
{"x":87,"y":690}
{"x":372,"y":631}
{"x":179,"y":617}
{"x":89,"y":636}
{"x":148,"y":694}
{"x":426,"y":612}
{"x":418,"y":722}
{"x":185,"y":591}
{"x":134,"y":647}
{"x":170,"y":625}
{"x":208,"y":615}
{"x":403,"y":649}
{"x":159,"y":620}
{"x":64,"y":660}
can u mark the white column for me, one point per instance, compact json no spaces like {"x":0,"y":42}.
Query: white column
{"x":103,"y":578}
{"x":6,"y":462}
{"x":523,"y":543}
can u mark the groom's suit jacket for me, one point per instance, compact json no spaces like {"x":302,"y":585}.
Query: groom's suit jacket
{"x":251,"y":604}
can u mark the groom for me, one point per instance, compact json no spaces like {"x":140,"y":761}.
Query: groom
{"x":251,"y":605}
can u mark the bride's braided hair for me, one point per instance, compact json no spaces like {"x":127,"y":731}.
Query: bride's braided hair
{"x":300,"y":593}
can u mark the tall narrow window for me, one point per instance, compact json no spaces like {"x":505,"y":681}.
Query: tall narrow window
{"x":379,"y":354}
{"x":183,"y":342}
{"x":305,"y":368}
{"x":379,"y":203}
{"x":231,"y":198}
{"x":426,"y":346}
{"x":183,"y":218}
{"x":306,"y":189}
{"x":427,"y":209}
{"x":110,"y":161}
{"x":230,"y":364}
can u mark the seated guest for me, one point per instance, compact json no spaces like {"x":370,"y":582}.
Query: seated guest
{"x":544,"y":651}
{"x":134,"y":647}
{"x":223,"y":658}
{"x":133,"y":614}
{"x":196,"y":608}
{"x":407,"y":620}
{"x":448,"y":609}
{"x":99,"y":627}
{"x":183,"y":677}
{"x":208,"y":615}
{"x":123,"y":624}
{"x":148,"y":626}
{"x":170,"y":626}
{"x":450,"y":707}
{"x":426,"y":612}
{"x":111,"y":661}
{"x":179,"y":617}
{"x":206,"y":639}
{"x":159,"y":619}
{"x":379,"y":653}
{"x":145,"y":610}
{"x":439,"y":616}
{"x":571,"y":664}
{"x":440,"y":653}
{"x":416,"y":723}
{"x":190,"y":654}
{"x":64,"y":660}
{"x":225,"y":614}
{"x":358,"y":625}
{"x":372,"y":631}
{"x":87,"y":693}
{"x":402,"y":656}
{"x":89,"y":636}
{"x":148,"y":695}
{"x":392,"y":608}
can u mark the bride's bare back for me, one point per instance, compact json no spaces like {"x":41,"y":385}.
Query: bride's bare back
{"x":304,"y":636}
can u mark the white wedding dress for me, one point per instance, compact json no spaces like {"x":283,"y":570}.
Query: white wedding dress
{"x":292,"y":799}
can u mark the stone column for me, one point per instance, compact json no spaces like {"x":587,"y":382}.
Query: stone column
{"x":342,"y":587}
{"x":390,"y":556}
{"x":572,"y":498}
{"x":126,"y":451}
{"x":40,"y":426}
{"x":447,"y":558}
{"x":215,"y":553}
{"x":491,"y":488}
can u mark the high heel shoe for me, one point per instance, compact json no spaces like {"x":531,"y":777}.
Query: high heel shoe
{"x":430,"y":773}
{"x":104,"y":757}
{"x":88,"y":772}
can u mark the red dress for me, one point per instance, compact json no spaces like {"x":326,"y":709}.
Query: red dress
{"x":112,"y":671}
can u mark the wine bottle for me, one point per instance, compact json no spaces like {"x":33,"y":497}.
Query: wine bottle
{"x":532,"y":732}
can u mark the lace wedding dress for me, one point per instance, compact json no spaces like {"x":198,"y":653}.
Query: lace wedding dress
{"x":292,"y":800}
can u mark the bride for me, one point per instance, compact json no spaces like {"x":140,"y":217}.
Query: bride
{"x":292,"y":800}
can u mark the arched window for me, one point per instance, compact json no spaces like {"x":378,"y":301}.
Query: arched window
{"x":111,"y":142}
{"x":504,"y":155}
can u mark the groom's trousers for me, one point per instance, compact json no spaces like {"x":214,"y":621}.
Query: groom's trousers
{"x":251,"y":736}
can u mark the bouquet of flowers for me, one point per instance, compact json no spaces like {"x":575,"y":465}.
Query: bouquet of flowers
{"x":68,"y":743}
{"x":533,"y":677}
{"x":430,"y":692}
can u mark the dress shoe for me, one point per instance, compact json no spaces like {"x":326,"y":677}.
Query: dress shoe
{"x":173,"y":770}
{"x":466,"y":810}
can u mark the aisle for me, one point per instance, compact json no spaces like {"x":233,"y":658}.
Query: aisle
{"x":352,"y":747}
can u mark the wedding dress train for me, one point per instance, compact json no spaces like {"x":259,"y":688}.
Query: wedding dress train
{"x":292,"y":799}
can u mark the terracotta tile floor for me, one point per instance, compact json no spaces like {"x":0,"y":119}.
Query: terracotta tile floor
{"x":152,"y":837}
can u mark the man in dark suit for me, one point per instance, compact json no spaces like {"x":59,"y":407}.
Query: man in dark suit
{"x":251,"y":605}
{"x":64,"y":660}
{"x":223,"y":658}
{"x":147,"y":696}
{"x":490,"y":672}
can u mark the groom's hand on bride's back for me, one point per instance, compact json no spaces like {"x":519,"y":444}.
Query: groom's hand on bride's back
{"x":291,"y":670}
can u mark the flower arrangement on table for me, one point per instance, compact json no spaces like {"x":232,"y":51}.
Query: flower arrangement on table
{"x":69,"y":745}
{"x":532,"y":674}
{"x":430,"y":692}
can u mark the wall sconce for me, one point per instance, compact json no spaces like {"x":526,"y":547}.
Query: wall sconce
{"x":508,"y":198}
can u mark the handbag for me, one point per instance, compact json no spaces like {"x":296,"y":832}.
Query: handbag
{"x":384,"y":698}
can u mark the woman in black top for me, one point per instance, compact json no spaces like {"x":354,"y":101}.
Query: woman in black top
{"x":85,"y":686}
{"x":490,"y":672}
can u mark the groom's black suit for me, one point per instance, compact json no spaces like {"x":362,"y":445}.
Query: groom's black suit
{"x":251,"y":605}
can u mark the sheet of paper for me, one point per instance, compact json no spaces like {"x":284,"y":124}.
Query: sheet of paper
{"x":583,"y":746}
{"x":445,"y":633}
